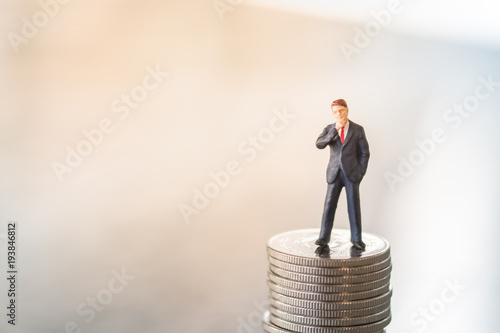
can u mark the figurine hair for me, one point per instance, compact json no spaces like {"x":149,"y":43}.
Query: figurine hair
{"x":340,"y":102}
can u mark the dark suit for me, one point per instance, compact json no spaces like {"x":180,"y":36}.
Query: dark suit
{"x":346,"y":168}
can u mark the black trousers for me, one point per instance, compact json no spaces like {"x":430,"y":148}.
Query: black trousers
{"x":353,"y":207}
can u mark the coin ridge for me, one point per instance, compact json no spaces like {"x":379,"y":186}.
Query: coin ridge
{"x":330,"y":271}
{"x":328,"y":288}
{"x":329,"y":262}
{"x":318,"y":279}
{"x":329,"y":314}
{"x":271,"y":328}
{"x":328,"y":297}
{"x":328,"y":322}
{"x":368,"y":328}
{"x":332,"y":306}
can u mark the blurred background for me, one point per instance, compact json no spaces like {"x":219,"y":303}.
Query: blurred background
{"x":149,"y":149}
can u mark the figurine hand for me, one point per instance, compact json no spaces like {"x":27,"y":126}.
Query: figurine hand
{"x":326,"y":137}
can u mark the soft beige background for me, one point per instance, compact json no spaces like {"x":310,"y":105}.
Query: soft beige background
{"x":119,"y":209}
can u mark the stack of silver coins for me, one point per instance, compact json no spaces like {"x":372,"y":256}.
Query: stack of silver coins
{"x":333,"y":289}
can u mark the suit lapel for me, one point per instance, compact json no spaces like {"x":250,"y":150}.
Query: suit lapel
{"x":350,"y":132}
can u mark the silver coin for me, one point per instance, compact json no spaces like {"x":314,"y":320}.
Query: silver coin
{"x":329,"y":314}
{"x":271,"y":328}
{"x":318,"y":279}
{"x":328,"y":322}
{"x":332,"y":306}
{"x":328,"y":297}
{"x":328,"y":288}
{"x":367,"y":328}
{"x":330,"y":271}
{"x":297,"y":247}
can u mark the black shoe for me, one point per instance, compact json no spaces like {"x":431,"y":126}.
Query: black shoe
{"x":321,"y":242}
{"x":359,"y":245}
{"x":323,"y":251}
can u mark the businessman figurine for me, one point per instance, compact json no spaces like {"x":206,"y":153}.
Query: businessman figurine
{"x":349,"y":154}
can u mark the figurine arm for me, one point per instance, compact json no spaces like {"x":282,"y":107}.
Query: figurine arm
{"x":364,"y":151}
{"x":327,"y":136}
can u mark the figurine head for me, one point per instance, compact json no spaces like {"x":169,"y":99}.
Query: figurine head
{"x":340,"y":111}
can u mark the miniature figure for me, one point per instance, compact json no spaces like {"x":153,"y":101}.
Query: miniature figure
{"x":349,"y":154}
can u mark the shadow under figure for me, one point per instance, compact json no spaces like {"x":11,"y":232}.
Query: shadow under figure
{"x":349,"y":154}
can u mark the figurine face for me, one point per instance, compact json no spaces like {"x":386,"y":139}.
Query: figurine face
{"x":340,"y":113}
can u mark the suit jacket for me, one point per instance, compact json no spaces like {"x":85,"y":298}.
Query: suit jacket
{"x":352,"y":156}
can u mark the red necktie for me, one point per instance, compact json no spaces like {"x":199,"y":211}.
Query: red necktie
{"x":342,"y":134}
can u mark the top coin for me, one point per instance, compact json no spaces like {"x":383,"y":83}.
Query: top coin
{"x":297,"y":247}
